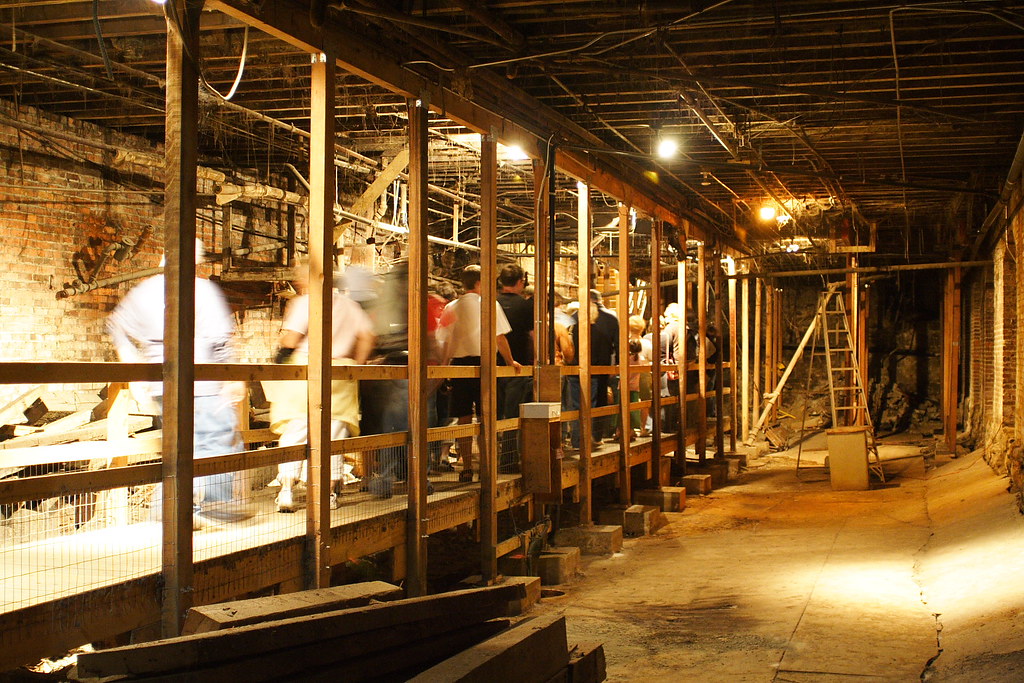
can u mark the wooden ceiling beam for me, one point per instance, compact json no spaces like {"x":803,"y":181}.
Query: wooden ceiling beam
{"x":285,"y":20}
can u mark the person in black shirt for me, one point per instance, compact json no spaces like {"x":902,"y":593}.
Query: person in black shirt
{"x":604,"y":350}
{"x":513,"y":391}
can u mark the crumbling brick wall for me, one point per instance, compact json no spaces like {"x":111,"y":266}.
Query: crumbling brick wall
{"x":63,"y":203}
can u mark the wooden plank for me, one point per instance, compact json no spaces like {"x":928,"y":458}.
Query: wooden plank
{"x":534,"y":650}
{"x":73,"y":483}
{"x":271,"y":608}
{"x":180,"y":152}
{"x":769,"y":340}
{"x":321,"y":283}
{"x":14,"y":411}
{"x":91,"y":432}
{"x":364,"y":202}
{"x":415,"y":544}
{"x":488,"y":354}
{"x":202,"y":650}
{"x":622,"y":309}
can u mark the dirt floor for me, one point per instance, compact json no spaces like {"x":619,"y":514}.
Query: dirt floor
{"x":778,"y":578}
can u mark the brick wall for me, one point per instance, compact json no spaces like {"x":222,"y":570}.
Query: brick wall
{"x":63,"y":202}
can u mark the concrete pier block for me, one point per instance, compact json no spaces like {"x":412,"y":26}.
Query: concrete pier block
{"x":558,"y":565}
{"x":641,"y":520}
{"x":611,"y":515}
{"x":592,"y":540}
{"x":666,"y":498}
{"x":523,"y":605}
{"x":697,"y":484}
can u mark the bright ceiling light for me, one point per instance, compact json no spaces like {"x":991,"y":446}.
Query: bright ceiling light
{"x":159,"y":2}
{"x":667,"y":148}
{"x":513,"y":152}
{"x":767,"y":213}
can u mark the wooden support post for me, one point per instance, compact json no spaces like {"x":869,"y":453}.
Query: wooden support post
{"x":734,"y":361}
{"x":321,"y":281}
{"x":702,"y":354}
{"x":853,"y":417}
{"x":583,"y":347}
{"x":226,"y":219}
{"x":416,"y":513}
{"x":950,"y":356}
{"x":744,"y":361}
{"x":720,"y":352}
{"x":657,"y":229}
{"x":181,"y":132}
{"x":541,"y":294}
{"x":622,"y":309}
{"x":862,"y":338}
{"x":758,"y":388}
{"x":769,"y":342}
{"x":488,"y":356}
{"x":682,"y":358}
{"x":777,"y":336}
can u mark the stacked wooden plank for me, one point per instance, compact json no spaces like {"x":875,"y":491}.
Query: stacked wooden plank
{"x":464,"y":635}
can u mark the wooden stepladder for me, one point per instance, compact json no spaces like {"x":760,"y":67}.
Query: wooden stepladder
{"x":847,"y":392}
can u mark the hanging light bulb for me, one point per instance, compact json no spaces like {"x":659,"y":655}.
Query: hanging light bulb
{"x":767,"y":212}
{"x":667,"y":148}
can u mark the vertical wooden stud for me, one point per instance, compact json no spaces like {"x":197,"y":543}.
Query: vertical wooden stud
{"x":657,"y":229}
{"x":488,"y":355}
{"x":180,"y":153}
{"x":583,"y":348}
{"x":716,"y":263}
{"x":321,"y":282}
{"x":950,"y":356}
{"x":416,"y":513}
{"x":542,"y":237}
{"x":622,"y":310}
{"x":702,"y":353}
{"x":758,"y":388}
{"x":744,"y":360}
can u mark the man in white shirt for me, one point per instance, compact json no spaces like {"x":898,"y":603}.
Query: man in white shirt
{"x":136,"y":327}
{"x":459,"y":332}
{"x":351,"y":341}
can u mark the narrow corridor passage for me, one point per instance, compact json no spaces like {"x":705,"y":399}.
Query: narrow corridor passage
{"x":779,"y":578}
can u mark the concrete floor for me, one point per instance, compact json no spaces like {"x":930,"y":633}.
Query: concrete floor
{"x":778,"y":578}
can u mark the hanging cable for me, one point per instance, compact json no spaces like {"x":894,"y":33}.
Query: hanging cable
{"x":171,"y":13}
{"x":99,"y":38}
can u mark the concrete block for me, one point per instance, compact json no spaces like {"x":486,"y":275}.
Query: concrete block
{"x":523,"y":605}
{"x":611,"y":515}
{"x":697,"y":484}
{"x":592,"y":540}
{"x":514,"y":564}
{"x":734,"y":466}
{"x":641,"y":520}
{"x":586,"y":663}
{"x":666,"y":498}
{"x":558,"y":565}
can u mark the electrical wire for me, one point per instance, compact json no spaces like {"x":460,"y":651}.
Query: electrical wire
{"x":171,"y":13}
{"x":99,"y":38}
